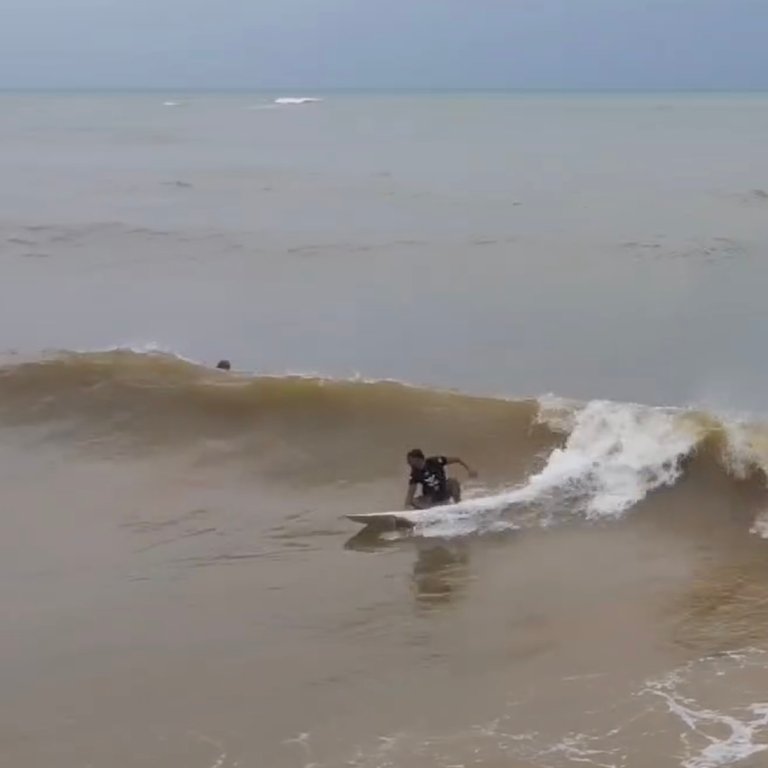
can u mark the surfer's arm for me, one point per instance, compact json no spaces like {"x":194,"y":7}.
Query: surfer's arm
{"x":456,"y":460}
{"x":410,"y":496}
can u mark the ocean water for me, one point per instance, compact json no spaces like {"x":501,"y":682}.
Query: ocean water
{"x":567,"y":290}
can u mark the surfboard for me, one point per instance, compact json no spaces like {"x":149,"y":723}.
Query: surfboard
{"x":389,"y":521}
{"x":406,"y":519}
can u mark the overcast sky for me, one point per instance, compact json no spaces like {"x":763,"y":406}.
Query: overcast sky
{"x":384,"y":43}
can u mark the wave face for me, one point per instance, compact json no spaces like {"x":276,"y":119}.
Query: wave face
{"x":597,"y":459}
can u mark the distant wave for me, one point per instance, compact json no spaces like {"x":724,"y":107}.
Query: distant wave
{"x":297,"y":100}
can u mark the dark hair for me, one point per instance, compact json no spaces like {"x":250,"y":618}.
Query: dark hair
{"x":224,"y":365}
{"x":416,"y":453}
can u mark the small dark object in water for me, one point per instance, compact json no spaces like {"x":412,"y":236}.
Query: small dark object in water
{"x":224,"y":365}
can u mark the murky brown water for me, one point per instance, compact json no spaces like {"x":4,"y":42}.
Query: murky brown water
{"x":179,"y":587}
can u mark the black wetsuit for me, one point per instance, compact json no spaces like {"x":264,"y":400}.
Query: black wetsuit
{"x":431,"y":477}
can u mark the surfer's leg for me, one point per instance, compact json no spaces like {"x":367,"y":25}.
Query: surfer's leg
{"x":454,"y":489}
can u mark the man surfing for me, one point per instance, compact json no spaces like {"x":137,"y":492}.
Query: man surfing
{"x":429,"y":473}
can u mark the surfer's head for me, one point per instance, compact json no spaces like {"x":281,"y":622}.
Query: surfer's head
{"x":224,"y":365}
{"x":415,"y":458}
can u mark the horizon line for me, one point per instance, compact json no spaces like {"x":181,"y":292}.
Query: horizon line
{"x":364,"y":89}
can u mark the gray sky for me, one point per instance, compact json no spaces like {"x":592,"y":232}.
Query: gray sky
{"x":384,"y":43}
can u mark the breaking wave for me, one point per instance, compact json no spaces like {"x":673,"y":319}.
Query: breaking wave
{"x":598,"y":459}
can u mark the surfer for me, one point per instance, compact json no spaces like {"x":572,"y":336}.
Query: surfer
{"x":224,"y":365}
{"x":436,"y":487}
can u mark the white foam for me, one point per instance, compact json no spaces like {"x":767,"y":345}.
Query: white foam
{"x":747,"y":445}
{"x":617,"y":453}
{"x":614,"y":456}
{"x":728,"y":736}
{"x":745,"y":452}
{"x":760,"y":525}
{"x":710,"y":724}
{"x":287,"y":100}
{"x":577,"y":749}
{"x":141,"y":348}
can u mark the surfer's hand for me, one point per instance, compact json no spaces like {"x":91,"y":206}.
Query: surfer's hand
{"x":472,"y":474}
